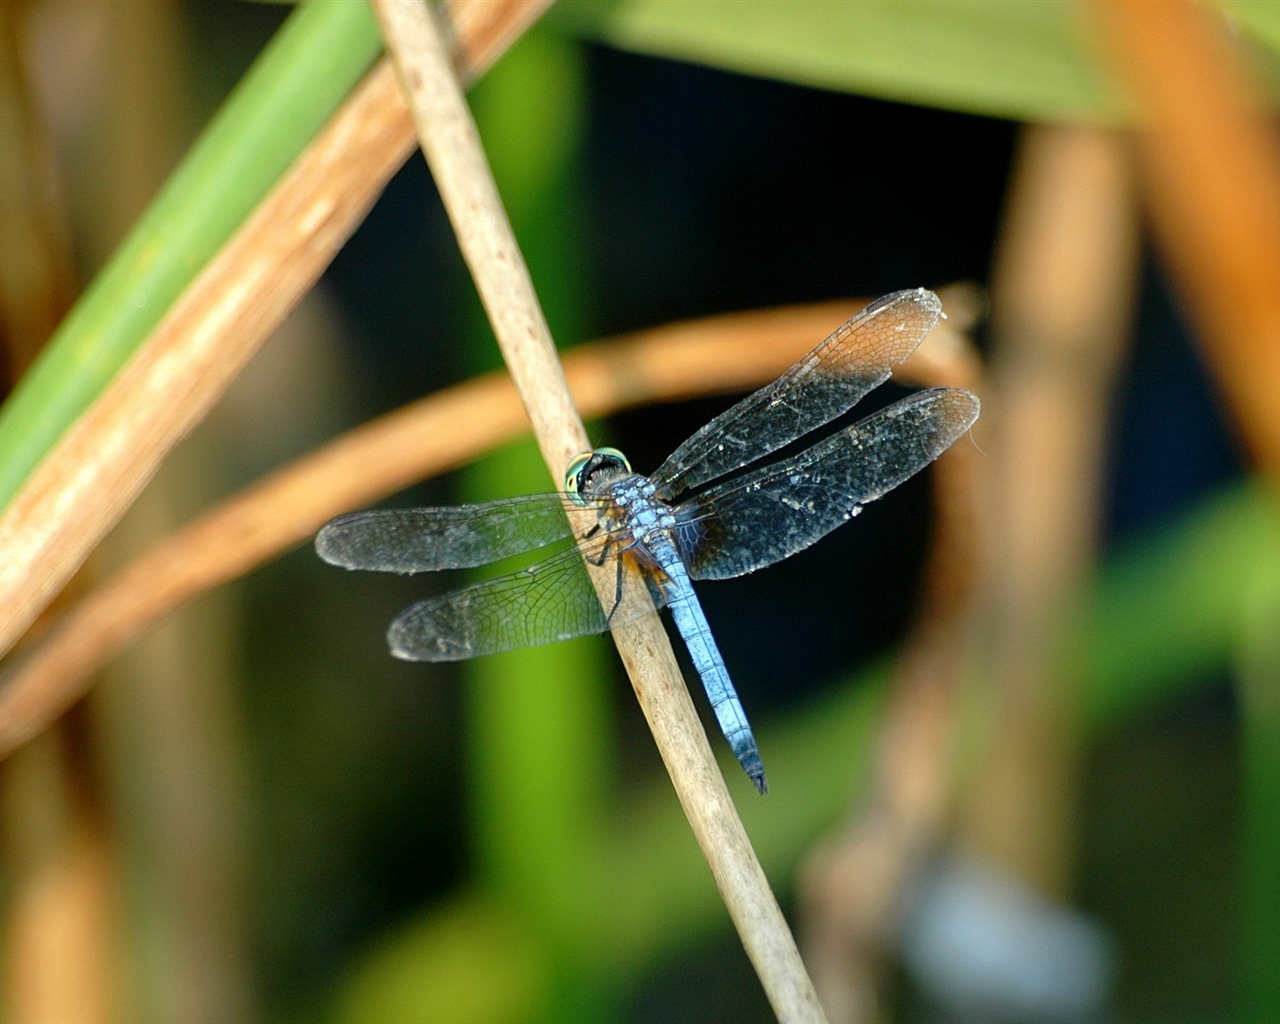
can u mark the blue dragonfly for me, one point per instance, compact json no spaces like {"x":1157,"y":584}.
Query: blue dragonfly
{"x":680,"y":524}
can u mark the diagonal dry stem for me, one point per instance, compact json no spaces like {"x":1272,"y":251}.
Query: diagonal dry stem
{"x":1209,"y":176}
{"x":98,"y":467}
{"x":452,"y":148}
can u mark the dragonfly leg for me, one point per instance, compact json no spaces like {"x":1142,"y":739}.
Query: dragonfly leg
{"x":604,"y":548}
{"x":617,"y":589}
{"x":610,"y":543}
{"x":604,"y":554}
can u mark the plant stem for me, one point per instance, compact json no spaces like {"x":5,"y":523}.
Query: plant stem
{"x":453,"y":151}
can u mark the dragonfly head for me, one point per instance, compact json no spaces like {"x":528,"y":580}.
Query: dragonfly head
{"x":592,"y":470}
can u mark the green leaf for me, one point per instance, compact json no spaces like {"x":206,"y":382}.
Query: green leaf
{"x":1260,"y":19}
{"x":1029,"y":60}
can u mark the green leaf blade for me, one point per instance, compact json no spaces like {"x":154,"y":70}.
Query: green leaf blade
{"x":1024,"y":61}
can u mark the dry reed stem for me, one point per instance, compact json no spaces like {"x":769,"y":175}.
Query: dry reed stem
{"x":1017,"y":522}
{"x":1210,"y":175}
{"x":98,"y":467}
{"x":853,"y":882}
{"x":1065,"y":285}
{"x":453,"y":150}
{"x":61,"y":921}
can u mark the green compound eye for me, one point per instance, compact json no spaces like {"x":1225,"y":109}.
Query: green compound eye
{"x":588,"y":463}
{"x":573,"y":477}
{"x":613,"y":455}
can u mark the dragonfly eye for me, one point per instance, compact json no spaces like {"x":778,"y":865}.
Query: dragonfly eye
{"x":578,"y":475}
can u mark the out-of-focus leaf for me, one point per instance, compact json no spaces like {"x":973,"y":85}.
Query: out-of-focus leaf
{"x":1026,"y":60}
{"x":1165,"y":613}
{"x":541,"y":740}
{"x":467,"y":963}
{"x":1259,"y":689}
{"x":1260,"y":20}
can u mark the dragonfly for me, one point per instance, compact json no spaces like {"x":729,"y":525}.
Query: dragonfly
{"x":707,"y":513}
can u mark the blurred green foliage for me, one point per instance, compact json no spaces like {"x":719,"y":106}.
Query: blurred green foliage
{"x":577,"y":888}
{"x":1034,"y":56}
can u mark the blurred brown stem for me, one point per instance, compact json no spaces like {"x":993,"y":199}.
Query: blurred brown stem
{"x":1015,"y":534}
{"x":1209,"y":166}
{"x":1062,"y":303}
{"x":853,"y":882}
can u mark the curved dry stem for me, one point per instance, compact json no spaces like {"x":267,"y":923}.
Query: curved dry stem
{"x":713,"y":355}
{"x":452,"y":148}
{"x":1209,"y":171}
{"x":1012,"y":538}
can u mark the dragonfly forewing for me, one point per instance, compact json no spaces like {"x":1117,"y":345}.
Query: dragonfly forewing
{"x":763,"y":517}
{"x":408,"y":540}
{"x":856,"y":358}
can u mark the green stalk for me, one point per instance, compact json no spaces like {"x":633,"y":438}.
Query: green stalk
{"x":1259,"y":897}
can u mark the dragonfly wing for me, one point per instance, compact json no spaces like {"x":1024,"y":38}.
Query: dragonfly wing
{"x":411,"y":540}
{"x":552,"y":600}
{"x":825,"y":384}
{"x":766,"y":516}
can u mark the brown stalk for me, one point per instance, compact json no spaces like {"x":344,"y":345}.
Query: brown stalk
{"x":98,"y":467}
{"x":1014,"y":537}
{"x":453,"y":151}
{"x":853,"y":883}
{"x":1065,"y":281}
{"x":61,"y":915}
{"x":1210,"y":176}
{"x":734,"y":352}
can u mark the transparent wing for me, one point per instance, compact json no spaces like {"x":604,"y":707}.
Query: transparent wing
{"x":823,"y":385}
{"x":553,"y":600}
{"x":766,"y":516}
{"x":411,"y":540}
